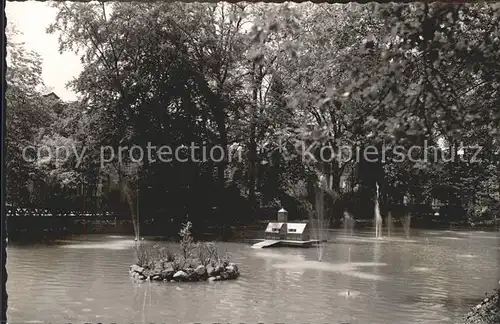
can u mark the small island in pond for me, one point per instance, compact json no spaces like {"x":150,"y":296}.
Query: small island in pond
{"x":195,"y":262}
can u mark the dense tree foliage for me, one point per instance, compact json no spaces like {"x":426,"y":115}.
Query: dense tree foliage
{"x":274,"y":84}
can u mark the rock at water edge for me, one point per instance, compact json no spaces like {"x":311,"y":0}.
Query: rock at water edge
{"x":136,"y":268}
{"x":180,"y":275}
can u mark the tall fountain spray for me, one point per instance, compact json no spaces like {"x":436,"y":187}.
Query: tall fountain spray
{"x":126,"y":174}
{"x":128,"y":196}
{"x":317,"y":219}
{"x":378,"y":217}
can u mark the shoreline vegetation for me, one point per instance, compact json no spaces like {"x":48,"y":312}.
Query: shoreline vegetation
{"x":198,"y":261}
{"x":241,"y":233}
{"x":17,"y":226}
{"x":486,"y":312}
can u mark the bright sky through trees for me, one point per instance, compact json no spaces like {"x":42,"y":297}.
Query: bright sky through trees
{"x":31,"y":19}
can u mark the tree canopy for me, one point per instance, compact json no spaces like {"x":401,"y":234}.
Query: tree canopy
{"x":264,"y":81}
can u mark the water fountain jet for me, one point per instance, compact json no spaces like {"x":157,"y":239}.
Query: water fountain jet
{"x":318,"y":224}
{"x":378,"y":217}
{"x":126,"y":174}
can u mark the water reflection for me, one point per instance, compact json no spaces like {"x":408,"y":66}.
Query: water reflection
{"x":343,"y":268}
{"x":113,"y":245}
{"x":430,"y":279}
{"x":279,"y":255}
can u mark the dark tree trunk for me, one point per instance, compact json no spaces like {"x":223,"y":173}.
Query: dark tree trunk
{"x":252,"y":150}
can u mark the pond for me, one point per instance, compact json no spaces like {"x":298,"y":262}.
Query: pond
{"x":434,"y":277}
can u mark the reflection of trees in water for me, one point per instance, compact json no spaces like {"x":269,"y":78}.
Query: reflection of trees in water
{"x":142,"y":293}
{"x":376,"y":252}
{"x":376,"y":259}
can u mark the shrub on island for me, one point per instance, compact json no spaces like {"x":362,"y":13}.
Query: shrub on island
{"x":195,"y":262}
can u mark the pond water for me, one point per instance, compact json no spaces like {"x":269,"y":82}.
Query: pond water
{"x":435,"y":277}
